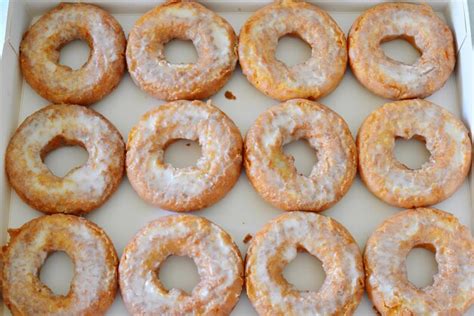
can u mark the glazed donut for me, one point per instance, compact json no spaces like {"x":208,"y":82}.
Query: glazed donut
{"x":445,"y":136}
{"x":189,"y":188}
{"x":312,"y":79}
{"x":213,"y":37}
{"x":420,"y":26}
{"x":272,"y":172}
{"x":41,"y":44}
{"x":94,"y":284}
{"x":387,"y":285}
{"x":216,"y":256}
{"x":83,"y":188}
{"x":277,"y":244}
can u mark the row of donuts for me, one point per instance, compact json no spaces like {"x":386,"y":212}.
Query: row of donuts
{"x":321,"y":195}
{"x":219,"y":49}
{"x":271,"y":172}
{"x":221,"y":267}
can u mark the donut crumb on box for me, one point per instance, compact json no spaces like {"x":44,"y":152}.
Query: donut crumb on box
{"x":247,"y":238}
{"x":229,"y":95}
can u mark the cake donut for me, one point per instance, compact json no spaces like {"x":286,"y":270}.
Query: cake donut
{"x":419,"y":25}
{"x":278,"y":243}
{"x":94,"y":284}
{"x":315,"y":77}
{"x":189,"y":188}
{"x":446,"y":139}
{"x":41,"y":45}
{"x":273,"y":173}
{"x":212,"y":36}
{"x":83,"y":188}
{"x":217,"y":258}
{"x":452,"y":291}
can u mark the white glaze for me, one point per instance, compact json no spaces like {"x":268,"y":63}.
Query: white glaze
{"x":87,"y":183}
{"x":26,"y":252}
{"x":66,"y":23}
{"x":447,"y":141}
{"x":162,"y":183}
{"x":277,"y":176}
{"x":276,"y":245}
{"x":391,"y":78}
{"x":217,"y":260}
{"x":386,"y":253}
{"x":212,"y":37}
{"x":312,"y":78}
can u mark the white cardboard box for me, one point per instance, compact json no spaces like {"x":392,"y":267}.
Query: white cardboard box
{"x":242,"y":211}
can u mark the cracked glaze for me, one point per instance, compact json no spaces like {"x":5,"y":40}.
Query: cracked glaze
{"x":41,"y":45}
{"x":419,"y":25}
{"x":278,"y":243}
{"x":83,"y":188}
{"x":93,"y":285}
{"x":452,"y":291}
{"x":213,"y":37}
{"x":189,"y":188}
{"x":216,"y":256}
{"x":273,"y":173}
{"x":446,"y":138}
{"x":315,"y":77}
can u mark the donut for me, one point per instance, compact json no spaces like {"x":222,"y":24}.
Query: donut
{"x":278,"y":243}
{"x":212,"y":36}
{"x":83,"y":188}
{"x":273,"y":173}
{"x":189,"y":188}
{"x":41,"y":45}
{"x":446,"y":139}
{"x":452,"y":291}
{"x":419,"y":25}
{"x":94,"y":284}
{"x":216,"y":256}
{"x":312,"y":79}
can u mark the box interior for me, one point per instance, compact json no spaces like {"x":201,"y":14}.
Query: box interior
{"x":242,"y":211}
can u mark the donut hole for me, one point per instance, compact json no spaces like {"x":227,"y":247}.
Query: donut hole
{"x":421,"y":265}
{"x":304,"y":156}
{"x":180,"y":51}
{"x":182,"y":153}
{"x":179,"y":272}
{"x":411,"y":152}
{"x":62,"y":155}
{"x":401,"y":49}
{"x":292,"y":50}
{"x":75,"y":54}
{"x":57,"y":272}
{"x":305,"y":272}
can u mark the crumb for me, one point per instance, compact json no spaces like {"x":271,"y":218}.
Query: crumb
{"x":229,"y":95}
{"x":247,"y":238}
{"x":188,"y":144}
